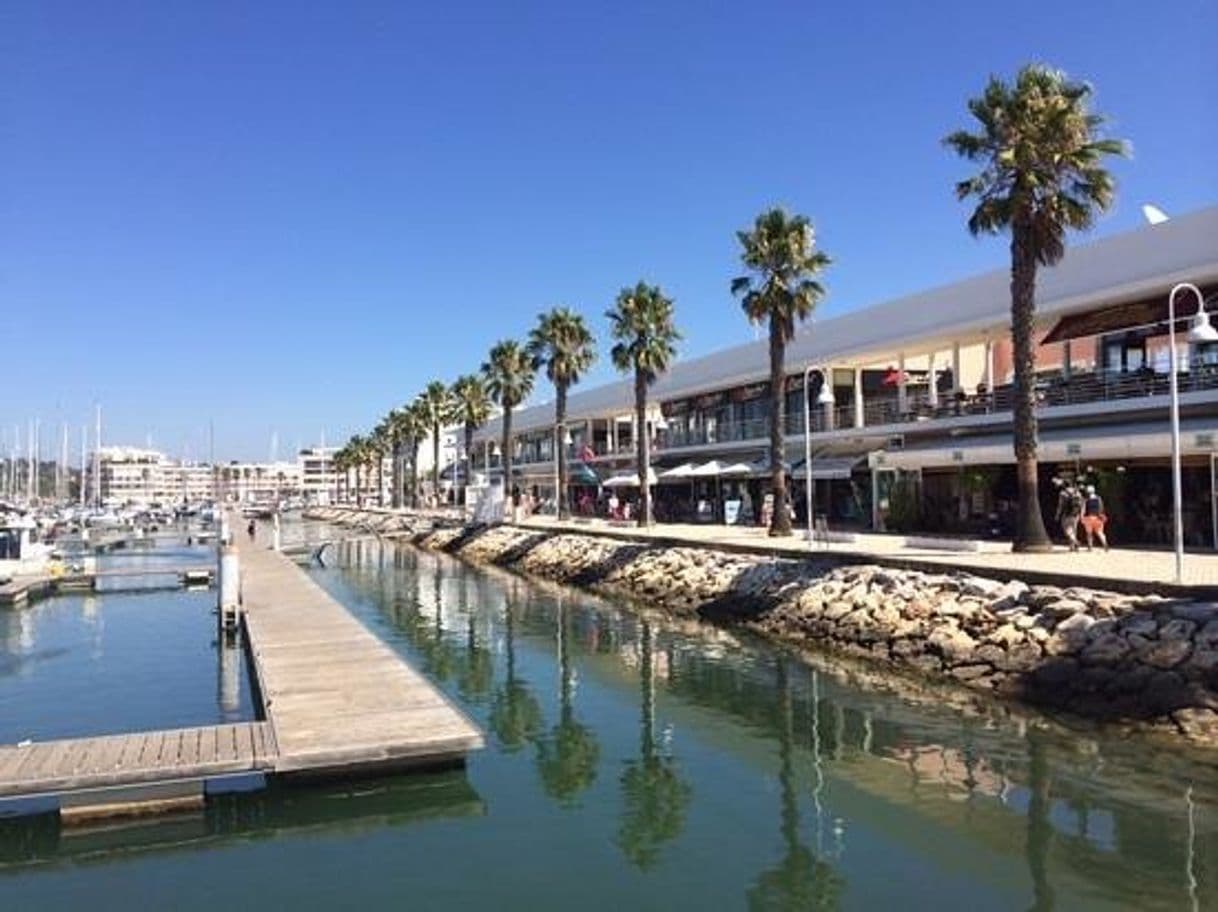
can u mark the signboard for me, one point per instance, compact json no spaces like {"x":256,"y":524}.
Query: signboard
{"x":1074,"y":449}
{"x":731,"y":512}
{"x":748,"y":393}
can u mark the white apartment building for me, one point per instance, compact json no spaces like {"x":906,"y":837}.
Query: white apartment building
{"x":319,"y":482}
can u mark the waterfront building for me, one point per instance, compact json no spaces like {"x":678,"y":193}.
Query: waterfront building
{"x":919,"y":435}
{"x":131,"y":475}
{"x":260,"y":482}
{"x":318,"y":480}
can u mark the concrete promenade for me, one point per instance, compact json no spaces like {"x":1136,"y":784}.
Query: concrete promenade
{"x":1118,"y":568}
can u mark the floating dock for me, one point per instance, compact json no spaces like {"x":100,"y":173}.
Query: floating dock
{"x":335,"y":702}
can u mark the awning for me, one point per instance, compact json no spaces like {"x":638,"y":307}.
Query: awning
{"x":712,"y":469}
{"x":679,"y":473}
{"x":1114,"y":442}
{"x":628,"y":480}
{"x":1132,"y":315}
{"x":829,"y":468}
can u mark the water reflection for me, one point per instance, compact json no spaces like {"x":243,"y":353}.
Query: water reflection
{"x":654,"y":795}
{"x":801,"y":880}
{"x":978,"y":802}
{"x":567,"y":756}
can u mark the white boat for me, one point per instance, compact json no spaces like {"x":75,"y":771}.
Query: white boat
{"x":21,"y":553}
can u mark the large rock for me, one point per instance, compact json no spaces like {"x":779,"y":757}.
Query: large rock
{"x":1165,"y":654}
{"x":1107,"y":649}
{"x":952,"y":643}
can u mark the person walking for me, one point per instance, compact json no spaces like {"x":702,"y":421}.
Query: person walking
{"x":1069,"y":512}
{"x":1094,"y":518}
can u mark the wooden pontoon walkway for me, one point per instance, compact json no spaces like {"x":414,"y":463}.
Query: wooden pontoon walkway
{"x":140,"y":758}
{"x":334,"y":693}
{"x":335,"y":701}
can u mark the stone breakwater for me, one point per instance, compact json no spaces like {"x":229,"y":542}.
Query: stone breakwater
{"x":1140,"y":659}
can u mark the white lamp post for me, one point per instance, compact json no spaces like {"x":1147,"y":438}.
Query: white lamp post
{"x":565,"y":441}
{"x":1199,"y":330}
{"x":825,"y":397}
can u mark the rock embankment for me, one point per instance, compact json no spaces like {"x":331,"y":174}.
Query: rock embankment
{"x":1102,"y":655}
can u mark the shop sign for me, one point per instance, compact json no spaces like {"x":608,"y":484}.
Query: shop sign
{"x":1074,"y":449}
{"x":710,"y":400}
{"x":1205,"y":440}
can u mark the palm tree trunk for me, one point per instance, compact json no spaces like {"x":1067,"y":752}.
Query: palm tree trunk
{"x":1030,"y":534}
{"x":505,"y":461}
{"x":359,"y":485}
{"x":414,"y":473}
{"x":435,"y":462}
{"x":780,"y":519}
{"x":560,"y":432}
{"x":643,"y":447}
{"x":469,"y":457}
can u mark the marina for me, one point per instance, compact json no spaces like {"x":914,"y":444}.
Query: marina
{"x":332,"y":699}
{"x":669,"y":764}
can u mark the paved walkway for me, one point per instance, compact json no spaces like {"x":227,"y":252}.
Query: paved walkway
{"x":1120,"y":567}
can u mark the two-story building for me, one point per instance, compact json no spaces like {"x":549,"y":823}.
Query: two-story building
{"x":919,"y":432}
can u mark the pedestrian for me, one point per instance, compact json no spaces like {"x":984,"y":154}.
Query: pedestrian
{"x":252,"y":528}
{"x":1094,"y":518}
{"x":1069,"y":511}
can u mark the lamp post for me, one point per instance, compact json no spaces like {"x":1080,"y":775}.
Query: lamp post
{"x":560,"y":430}
{"x":1199,"y":330}
{"x":824,"y":397}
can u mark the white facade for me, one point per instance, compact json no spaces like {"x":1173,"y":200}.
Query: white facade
{"x":318,"y":478}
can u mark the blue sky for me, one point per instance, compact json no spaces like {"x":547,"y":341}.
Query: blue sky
{"x":305,"y":211}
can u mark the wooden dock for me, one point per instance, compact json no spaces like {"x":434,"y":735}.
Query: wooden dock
{"x":335,"y":700}
{"x":336,"y":696}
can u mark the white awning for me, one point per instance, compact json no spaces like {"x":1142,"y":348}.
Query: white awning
{"x":710,"y":469}
{"x":677,"y":473}
{"x":628,"y":480}
{"x":828,"y":468}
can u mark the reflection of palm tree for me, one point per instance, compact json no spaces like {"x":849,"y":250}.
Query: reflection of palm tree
{"x":800,"y":880}
{"x":654,"y":796}
{"x":515,"y":712}
{"x":478,"y":670}
{"x":1040,"y":830}
{"x":567,"y":757}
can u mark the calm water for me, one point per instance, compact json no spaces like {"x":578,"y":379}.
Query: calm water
{"x":636,"y":763}
{"x":115,"y":661}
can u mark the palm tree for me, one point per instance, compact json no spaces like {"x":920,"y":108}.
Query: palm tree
{"x":641,"y":322}
{"x":379,"y":444}
{"x":1042,"y":173}
{"x":437,"y":407}
{"x":563,"y":344}
{"x":781,"y":253}
{"x":509,"y":381}
{"x":471,"y":407}
{"x":412,"y":427}
{"x":357,"y":446}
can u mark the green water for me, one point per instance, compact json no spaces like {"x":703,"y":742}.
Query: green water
{"x":636,"y":763}
{"x":119,"y":660}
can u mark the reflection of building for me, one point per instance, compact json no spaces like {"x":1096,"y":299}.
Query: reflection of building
{"x":919,"y":433}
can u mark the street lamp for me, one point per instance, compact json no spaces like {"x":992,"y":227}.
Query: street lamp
{"x":824,"y":397}
{"x":565,"y":441}
{"x":1199,"y":330}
